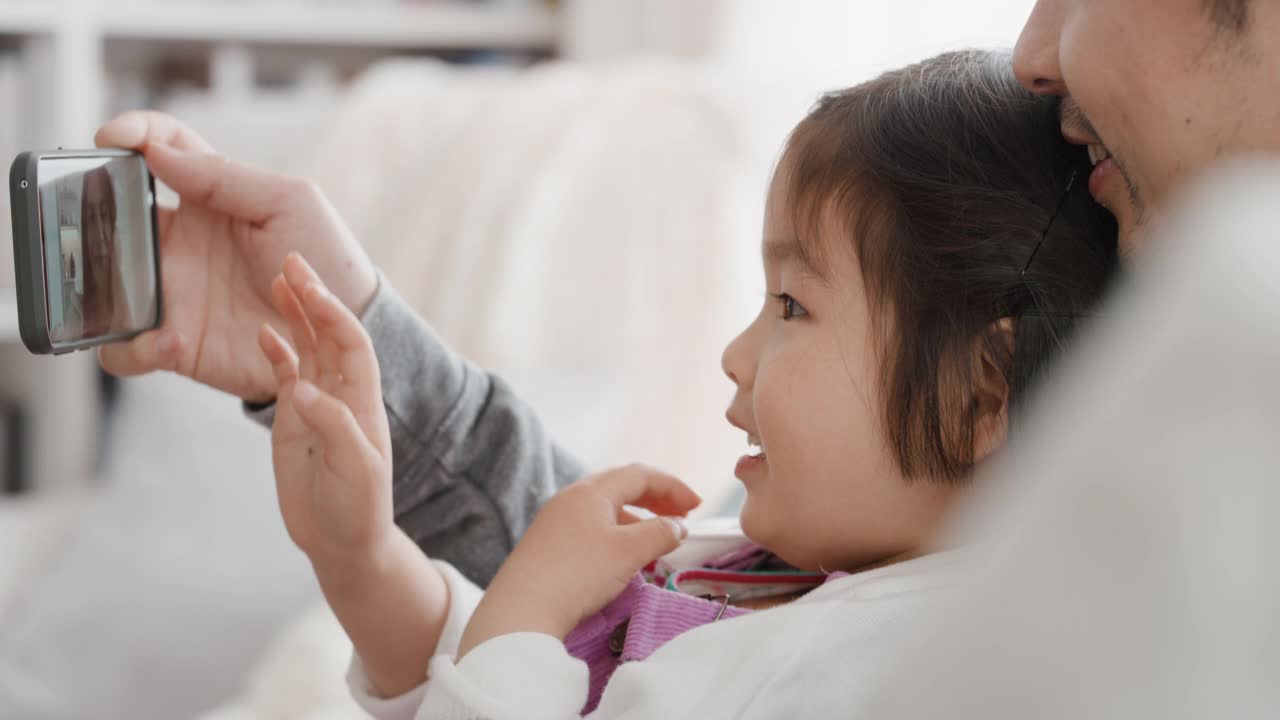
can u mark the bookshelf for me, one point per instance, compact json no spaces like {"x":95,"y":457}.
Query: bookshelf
{"x":66,"y":66}
{"x":440,"y":24}
{"x":66,"y":46}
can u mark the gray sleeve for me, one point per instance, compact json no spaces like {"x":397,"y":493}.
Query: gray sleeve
{"x":472,"y":462}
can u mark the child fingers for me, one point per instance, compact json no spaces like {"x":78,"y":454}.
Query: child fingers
{"x":299,"y":272}
{"x":304,"y":337}
{"x":650,"y":539}
{"x":347,"y":452}
{"x":341,"y":334}
{"x":300,"y":276}
{"x":284,"y":361}
{"x":648,"y":488}
{"x":627,"y":516}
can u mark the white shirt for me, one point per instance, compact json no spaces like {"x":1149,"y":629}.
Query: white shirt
{"x":822,"y":653}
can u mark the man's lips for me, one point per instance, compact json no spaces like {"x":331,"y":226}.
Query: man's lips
{"x":1075,"y":136}
{"x":1102,"y":176}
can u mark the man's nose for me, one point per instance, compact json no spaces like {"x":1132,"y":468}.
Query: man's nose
{"x":1035,"y":58}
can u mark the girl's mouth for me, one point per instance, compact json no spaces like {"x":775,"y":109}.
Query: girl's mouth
{"x":750,"y":465}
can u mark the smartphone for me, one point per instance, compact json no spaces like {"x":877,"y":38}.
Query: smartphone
{"x":85,"y":248}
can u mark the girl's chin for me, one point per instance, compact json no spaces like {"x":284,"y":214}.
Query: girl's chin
{"x":754,"y":527}
{"x":758,"y":528}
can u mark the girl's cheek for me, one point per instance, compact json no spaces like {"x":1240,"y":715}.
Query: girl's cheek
{"x":771,"y":404}
{"x":762,"y":388}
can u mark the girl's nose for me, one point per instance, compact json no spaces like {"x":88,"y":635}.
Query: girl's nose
{"x":736,"y":361}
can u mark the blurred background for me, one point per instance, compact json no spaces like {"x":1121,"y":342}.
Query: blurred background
{"x":570,"y":192}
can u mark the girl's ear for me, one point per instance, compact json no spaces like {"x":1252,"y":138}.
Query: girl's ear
{"x":993,"y":354}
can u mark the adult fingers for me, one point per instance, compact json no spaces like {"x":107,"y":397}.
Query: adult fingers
{"x":153,"y":350}
{"x":137,"y":129}
{"x":236,"y":189}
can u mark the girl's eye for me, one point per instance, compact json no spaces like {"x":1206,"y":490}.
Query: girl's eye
{"x":790,"y":308}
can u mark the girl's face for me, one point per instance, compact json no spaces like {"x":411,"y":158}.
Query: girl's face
{"x":100,"y":226}
{"x":824,"y":490}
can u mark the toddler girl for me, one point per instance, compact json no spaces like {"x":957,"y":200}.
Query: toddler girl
{"x":928,"y":243}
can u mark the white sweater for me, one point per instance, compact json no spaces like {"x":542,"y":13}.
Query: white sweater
{"x":810,"y":658}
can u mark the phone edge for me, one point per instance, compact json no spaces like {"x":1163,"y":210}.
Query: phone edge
{"x":24,"y":203}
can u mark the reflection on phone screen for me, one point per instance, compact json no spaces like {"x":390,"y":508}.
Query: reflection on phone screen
{"x":99,"y":252}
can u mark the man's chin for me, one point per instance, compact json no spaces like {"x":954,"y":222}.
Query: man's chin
{"x":1131,"y":241}
{"x":1135,"y":228}
{"x":1130,"y":224}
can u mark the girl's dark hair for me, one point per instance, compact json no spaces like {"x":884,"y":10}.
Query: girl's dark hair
{"x":965,"y":207}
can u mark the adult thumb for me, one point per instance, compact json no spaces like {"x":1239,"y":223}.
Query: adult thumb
{"x":153,"y":350}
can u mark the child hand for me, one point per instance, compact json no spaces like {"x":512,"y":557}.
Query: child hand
{"x":581,"y":551}
{"x":330,"y":444}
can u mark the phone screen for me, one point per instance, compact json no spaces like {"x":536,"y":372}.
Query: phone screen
{"x":95,"y":217}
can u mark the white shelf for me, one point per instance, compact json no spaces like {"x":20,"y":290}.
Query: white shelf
{"x":19,"y":17}
{"x":8,"y":316}
{"x":442,"y":25}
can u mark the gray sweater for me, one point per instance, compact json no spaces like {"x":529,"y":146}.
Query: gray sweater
{"x":472,"y":462}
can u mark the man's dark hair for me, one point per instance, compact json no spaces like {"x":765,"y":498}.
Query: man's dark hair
{"x":955,"y":188}
{"x":1229,"y":14}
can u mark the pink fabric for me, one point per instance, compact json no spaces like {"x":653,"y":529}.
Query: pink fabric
{"x":646,"y":615}
{"x":653,"y":615}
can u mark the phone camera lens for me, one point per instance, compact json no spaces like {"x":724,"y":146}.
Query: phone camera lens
{"x":23,"y":184}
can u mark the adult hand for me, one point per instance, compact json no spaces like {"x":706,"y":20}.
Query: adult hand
{"x":220,"y":249}
{"x":581,"y":551}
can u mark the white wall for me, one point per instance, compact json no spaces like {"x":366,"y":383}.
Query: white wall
{"x":807,"y":46}
{"x":844,"y":41}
